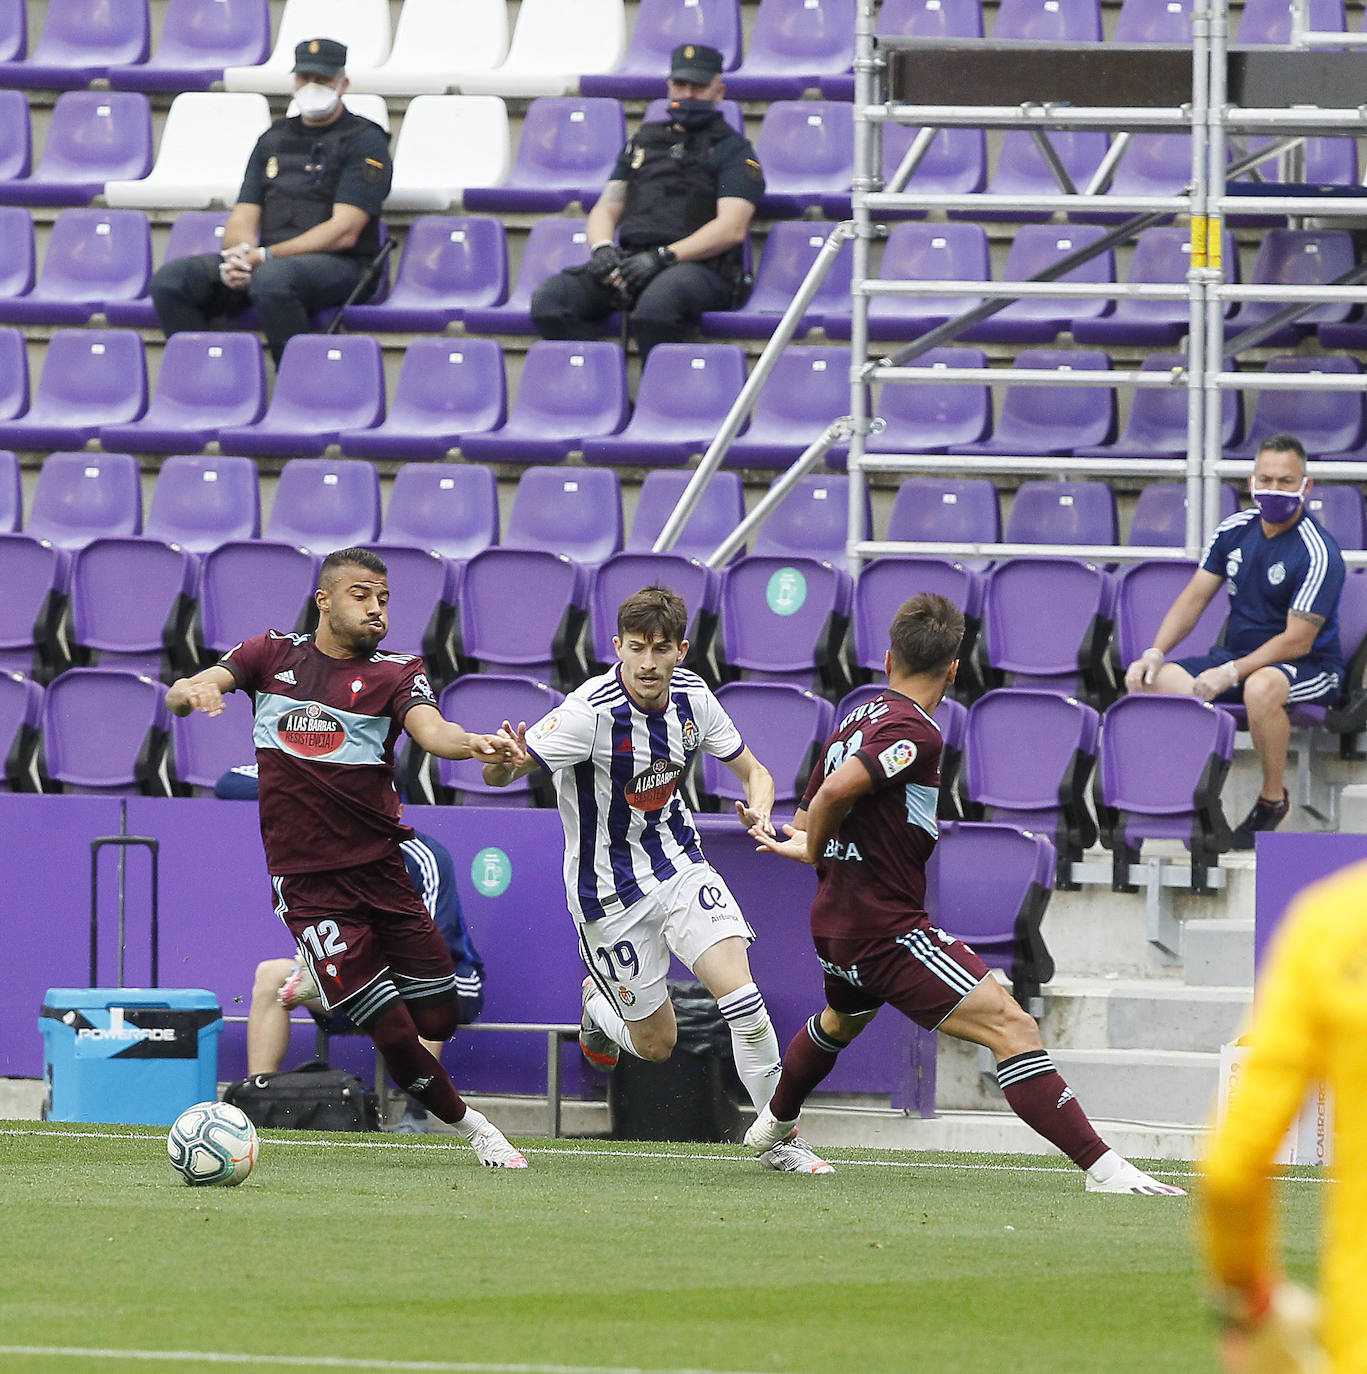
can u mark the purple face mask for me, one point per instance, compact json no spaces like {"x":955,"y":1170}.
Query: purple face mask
{"x":1277,"y":507}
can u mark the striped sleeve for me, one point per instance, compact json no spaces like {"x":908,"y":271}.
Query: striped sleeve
{"x":1319,"y":591}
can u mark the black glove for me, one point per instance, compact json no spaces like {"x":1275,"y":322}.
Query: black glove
{"x":640,"y":269}
{"x":607,"y":258}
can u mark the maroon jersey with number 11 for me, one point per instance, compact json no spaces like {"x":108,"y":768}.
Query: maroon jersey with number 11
{"x":871,"y":881}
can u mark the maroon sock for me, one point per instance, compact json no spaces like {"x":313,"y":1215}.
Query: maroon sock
{"x":1034,"y":1089}
{"x":410,"y":1066}
{"x":809,"y":1058}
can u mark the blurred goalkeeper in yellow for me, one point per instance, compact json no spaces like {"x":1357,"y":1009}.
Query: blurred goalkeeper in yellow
{"x":1309,"y":1025}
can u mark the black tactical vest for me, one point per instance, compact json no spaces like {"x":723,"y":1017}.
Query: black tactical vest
{"x":303,"y":169}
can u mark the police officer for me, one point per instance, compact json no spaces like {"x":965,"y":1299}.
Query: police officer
{"x":667,"y":232}
{"x":305,"y":226}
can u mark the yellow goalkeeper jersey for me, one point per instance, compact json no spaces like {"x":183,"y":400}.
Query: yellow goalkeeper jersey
{"x":1309,"y":1025}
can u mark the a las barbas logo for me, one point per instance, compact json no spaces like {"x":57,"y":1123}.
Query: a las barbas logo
{"x":651,"y":790}
{"x":311,"y":730}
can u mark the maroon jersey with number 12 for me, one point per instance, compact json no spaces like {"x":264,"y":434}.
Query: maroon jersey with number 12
{"x":324,"y":734}
{"x":871,"y":881}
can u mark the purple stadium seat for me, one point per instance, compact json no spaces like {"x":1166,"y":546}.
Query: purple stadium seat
{"x":1153,"y":165}
{"x":925,"y":252}
{"x":1049,"y":21}
{"x":21,"y":709}
{"x":36,"y":574}
{"x":449,"y":265}
{"x":1053,"y":512}
{"x":992,"y":884}
{"x":83,"y":496}
{"x":1296,"y":257}
{"x":1328,"y":423}
{"x":81,"y":40}
{"x":1339,"y":508}
{"x":1153,"y":21}
{"x":567,"y":151}
{"x":194,"y":232}
{"x":1144,"y":591}
{"x":422,"y":607}
{"x":249,"y":586}
{"x":1037,"y":319}
{"x":326,"y":383}
{"x":1028,"y":758}
{"x":93,"y":137}
{"x":203,"y":748}
{"x":322,"y":504}
{"x":91,"y":377}
{"x":685,"y":393}
{"x":934,"y":417}
{"x":105,"y":733}
{"x":661,"y":26}
{"x":11,"y":492}
{"x":200,"y":503}
{"x":1052,"y":419}
{"x":789,"y":251}
{"x":130,"y":605}
{"x":482,"y":703}
{"x":1162,"y":763}
{"x":1269,"y":21}
{"x":13,"y":30}
{"x":1160,"y":513}
{"x":806,"y":148}
{"x":1063,"y":651}
{"x":521,"y":610}
{"x":782,"y":724}
{"x":208,"y":382}
{"x":624,"y":574}
{"x":962,"y":510}
{"x":729,"y":110}
{"x":720,"y":508}
{"x":92,"y":256}
{"x":199,"y":38}
{"x":452,"y":509}
{"x":13,"y":374}
{"x":1022,"y":170}
{"x":552,"y":244}
{"x":569,"y":391}
{"x":447,"y":388}
{"x":783,"y":620}
{"x":812,"y":521}
{"x":793,"y":44}
{"x":16,"y":138}
{"x":576,"y":512}
{"x":915,"y":19}
{"x":954,"y":164}
{"x":808,"y":388}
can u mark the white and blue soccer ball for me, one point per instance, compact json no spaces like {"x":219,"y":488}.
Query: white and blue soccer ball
{"x":213,"y":1142}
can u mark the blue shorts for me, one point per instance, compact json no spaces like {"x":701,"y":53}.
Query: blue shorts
{"x":1311,"y":679}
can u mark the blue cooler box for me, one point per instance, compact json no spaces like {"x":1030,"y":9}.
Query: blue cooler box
{"x":133,"y":1055}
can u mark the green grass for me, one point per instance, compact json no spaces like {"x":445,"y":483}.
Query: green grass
{"x":603,"y":1256}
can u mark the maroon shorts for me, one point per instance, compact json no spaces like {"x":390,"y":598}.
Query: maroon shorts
{"x":923,"y":973}
{"x":365,"y":930}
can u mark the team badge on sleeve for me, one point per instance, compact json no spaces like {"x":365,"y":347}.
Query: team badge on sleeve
{"x":897,"y":756}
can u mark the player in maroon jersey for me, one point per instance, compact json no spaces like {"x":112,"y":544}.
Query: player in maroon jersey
{"x":329,"y":709}
{"x":868,"y":825}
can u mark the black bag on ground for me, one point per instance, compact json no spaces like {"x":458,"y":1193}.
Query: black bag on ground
{"x":312,"y":1097}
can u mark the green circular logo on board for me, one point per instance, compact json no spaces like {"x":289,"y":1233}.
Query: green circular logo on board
{"x":786,"y":592}
{"x":491,"y":872}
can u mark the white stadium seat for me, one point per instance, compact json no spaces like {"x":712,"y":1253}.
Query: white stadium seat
{"x":434,"y":38}
{"x":363,"y":25}
{"x":555,"y":43}
{"x":446,"y":143}
{"x":204,"y":149}
{"x":370,"y":107}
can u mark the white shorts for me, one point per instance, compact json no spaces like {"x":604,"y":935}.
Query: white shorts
{"x":628,"y":953}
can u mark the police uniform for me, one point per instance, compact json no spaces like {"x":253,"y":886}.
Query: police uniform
{"x":674,"y":177}
{"x":296,"y":173}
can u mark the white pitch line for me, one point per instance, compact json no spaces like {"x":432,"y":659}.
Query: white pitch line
{"x":65,"y":1352}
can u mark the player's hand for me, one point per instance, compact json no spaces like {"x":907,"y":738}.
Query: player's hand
{"x":1142,"y":672}
{"x":1215,"y":681}
{"x":754,"y":820}
{"x":186,"y":696}
{"x":1283,"y":1340}
{"x":793,"y":846}
{"x":497,"y":748}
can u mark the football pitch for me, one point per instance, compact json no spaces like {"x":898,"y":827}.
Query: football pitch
{"x":385,"y":1252}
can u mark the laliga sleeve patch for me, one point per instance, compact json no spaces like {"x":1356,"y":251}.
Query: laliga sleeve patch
{"x":544,"y":727}
{"x":897,"y":756}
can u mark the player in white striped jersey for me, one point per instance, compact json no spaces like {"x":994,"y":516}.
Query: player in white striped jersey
{"x":1281,"y":645}
{"x":636,"y":882}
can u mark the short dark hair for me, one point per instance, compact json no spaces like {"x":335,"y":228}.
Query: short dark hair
{"x":926,"y":633}
{"x":349,"y":558}
{"x":1284,"y":443}
{"x":652,"y":612}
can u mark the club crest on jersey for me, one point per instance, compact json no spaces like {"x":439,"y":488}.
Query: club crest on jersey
{"x":651,"y":790}
{"x":1276,"y":574}
{"x":627,"y":997}
{"x":311,"y":731}
{"x":897,"y":756}
{"x":690,"y":736}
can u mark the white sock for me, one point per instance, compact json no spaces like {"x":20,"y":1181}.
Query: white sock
{"x":607,"y":1020}
{"x":1107,"y":1167}
{"x":471,"y":1124}
{"x":753,"y":1042}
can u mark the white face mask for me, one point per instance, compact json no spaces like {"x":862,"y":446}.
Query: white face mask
{"x":317,"y":101}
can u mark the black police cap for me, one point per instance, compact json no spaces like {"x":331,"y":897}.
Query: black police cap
{"x":695,"y":63}
{"x":320,"y":57}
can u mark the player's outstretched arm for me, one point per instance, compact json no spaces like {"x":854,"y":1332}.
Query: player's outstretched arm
{"x":447,"y":740}
{"x":754,"y":812}
{"x":203,"y":692}
{"x":499,"y":773}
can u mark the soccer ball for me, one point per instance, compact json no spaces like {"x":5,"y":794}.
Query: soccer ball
{"x":212,"y":1142}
